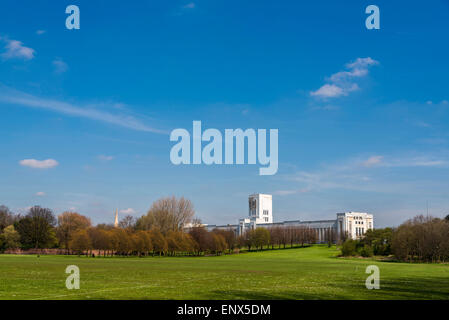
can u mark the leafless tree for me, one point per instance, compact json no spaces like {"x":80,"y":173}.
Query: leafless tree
{"x":168,"y":214}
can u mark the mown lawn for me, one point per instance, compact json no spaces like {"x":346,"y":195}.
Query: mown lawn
{"x":303,"y":273}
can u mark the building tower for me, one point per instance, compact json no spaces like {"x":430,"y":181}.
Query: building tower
{"x":260,"y":212}
{"x":261,"y":208}
{"x":116,"y":218}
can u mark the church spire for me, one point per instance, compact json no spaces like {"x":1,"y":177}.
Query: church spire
{"x":116,"y":218}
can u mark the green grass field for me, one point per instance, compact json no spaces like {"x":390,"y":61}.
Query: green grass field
{"x":304,"y":273}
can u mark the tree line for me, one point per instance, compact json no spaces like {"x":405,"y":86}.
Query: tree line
{"x":160,"y":232}
{"x":420,"y":239}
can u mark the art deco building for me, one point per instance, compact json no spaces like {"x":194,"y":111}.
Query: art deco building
{"x":260,"y":214}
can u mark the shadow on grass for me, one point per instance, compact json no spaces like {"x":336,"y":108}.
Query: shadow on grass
{"x":284,"y":295}
{"x":396,"y":289}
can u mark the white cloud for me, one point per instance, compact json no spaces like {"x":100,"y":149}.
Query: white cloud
{"x":105,"y":158}
{"x":60,"y":66}
{"x":15,"y":97}
{"x":342,"y":83}
{"x":371,"y":161}
{"x":328,"y":90}
{"x":40,"y":194}
{"x":190,"y":5}
{"x":40,"y":32}
{"x":39,"y":164}
{"x":16,"y":50}
{"x":128,"y":211}
{"x":361,"y":63}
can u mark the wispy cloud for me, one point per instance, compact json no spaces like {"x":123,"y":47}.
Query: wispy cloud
{"x":40,"y":194}
{"x":39,"y":164}
{"x":15,"y":97}
{"x":16,"y":50}
{"x":40,"y":32}
{"x":418,"y":162}
{"x":343,"y":82}
{"x":365,"y":174}
{"x":181,"y":10}
{"x":415,"y":161}
{"x":105,"y":158}
{"x":290,"y":192}
{"x":372,"y":161}
{"x":60,"y":66}
{"x":130,"y":211}
{"x":190,"y":5}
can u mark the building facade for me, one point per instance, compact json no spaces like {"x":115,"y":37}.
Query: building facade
{"x":352,"y":225}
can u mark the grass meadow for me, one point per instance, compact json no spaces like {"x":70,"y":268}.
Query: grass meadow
{"x":298,"y":273}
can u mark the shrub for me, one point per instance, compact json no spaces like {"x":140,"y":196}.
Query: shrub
{"x":349,"y":248}
{"x":366,"y":251}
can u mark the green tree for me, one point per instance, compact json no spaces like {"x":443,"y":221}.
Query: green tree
{"x":10,"y":238}
{"x":349,"y":248}
{"x":261,"y":237}
{"x":379,"y":240}
{"x":36,"y":229}
{"x":366,"y":251}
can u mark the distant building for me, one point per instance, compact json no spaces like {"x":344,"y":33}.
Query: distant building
{"x":350,"y":224}
{"x":116,"y":218}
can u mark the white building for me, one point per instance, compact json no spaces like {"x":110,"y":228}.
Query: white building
{"x":260,"y":214}
{"x":354,"y":224}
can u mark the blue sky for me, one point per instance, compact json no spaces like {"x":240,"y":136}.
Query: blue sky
{"x":362,"y":114}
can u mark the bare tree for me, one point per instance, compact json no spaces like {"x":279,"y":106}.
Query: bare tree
{"x":168,"y":214}
{"x":7,"y":218}
{"x":128,"y":223}
{"x":423,"y":238}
